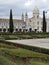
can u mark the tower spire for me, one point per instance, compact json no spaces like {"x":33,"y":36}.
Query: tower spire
{"x":26,"y":16}
{"x":22,"y":16}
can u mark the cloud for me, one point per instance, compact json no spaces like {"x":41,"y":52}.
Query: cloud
{"x":30,"y":14}
{"x":8,"y":1}
{"x":44,"y":1}
{"x":29,"y":3}
{"x":19,"y":6}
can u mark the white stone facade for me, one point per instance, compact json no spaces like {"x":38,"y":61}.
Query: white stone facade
{"x":35,"y":23}
{"x":25,"y":24}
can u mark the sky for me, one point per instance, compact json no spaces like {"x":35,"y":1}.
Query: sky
{"x":22,"y":6}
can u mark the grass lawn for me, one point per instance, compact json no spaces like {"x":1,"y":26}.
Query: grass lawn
{"x":5,"y":61}
{"x":13,"y":55}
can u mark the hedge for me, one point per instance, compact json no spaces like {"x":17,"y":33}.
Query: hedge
{"x":32,"y":48}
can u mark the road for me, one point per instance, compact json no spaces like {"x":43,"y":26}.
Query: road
{"x":43,"y":43}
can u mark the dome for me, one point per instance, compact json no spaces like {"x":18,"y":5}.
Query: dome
{"x":36,"y":10}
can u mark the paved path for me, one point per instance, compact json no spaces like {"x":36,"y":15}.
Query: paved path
{"x":43,"y":43}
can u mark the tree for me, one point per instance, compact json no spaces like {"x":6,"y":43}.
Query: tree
{"x":44,"y":22}
{"x":11,"y":22}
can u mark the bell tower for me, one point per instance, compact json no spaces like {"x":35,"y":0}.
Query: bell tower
{"x":36,"y":12}
{"x":36,"y":17}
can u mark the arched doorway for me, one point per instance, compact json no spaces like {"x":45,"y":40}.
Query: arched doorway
{"x":35,"y":30}
{"x":30,"y":29}
{"x":8,"y":29}
{"x":4,"y":30}
{"x":26,"y":30}
{"x":20,"y":30}
{"x":16,"y":30}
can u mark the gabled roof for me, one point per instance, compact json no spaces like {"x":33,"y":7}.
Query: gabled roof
{"x":7,"y":20}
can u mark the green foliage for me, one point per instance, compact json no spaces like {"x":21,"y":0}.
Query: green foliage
{"x":44,"y":22}
{"x":23,"y":35}
{"x":19,"y":56}
{"x":11,"y":22}
{"x":5,"y":61}
{"x":7,"y":46}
